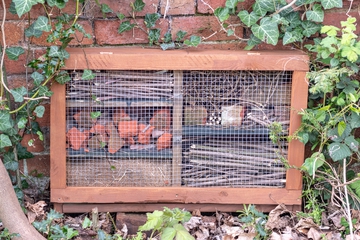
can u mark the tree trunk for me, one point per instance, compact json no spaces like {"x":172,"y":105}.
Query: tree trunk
{"x":11,"y":213}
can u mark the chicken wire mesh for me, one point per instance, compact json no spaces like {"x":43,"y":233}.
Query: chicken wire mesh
{"x":157,"y":128}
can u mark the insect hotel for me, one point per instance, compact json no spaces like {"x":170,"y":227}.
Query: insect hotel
{"x":181,"y":128}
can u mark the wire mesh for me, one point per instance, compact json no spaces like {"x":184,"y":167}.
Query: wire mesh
{"x":127,"y":128}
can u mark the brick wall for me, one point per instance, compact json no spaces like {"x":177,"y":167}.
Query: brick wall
{"x":192,"y":16}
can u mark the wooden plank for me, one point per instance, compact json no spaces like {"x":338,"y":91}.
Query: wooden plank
{"x":176,"y":195}
{"x":58,"y":137}
{"x":58,"y":207}
{"x":81,"y":208}
{"x":177,"y":128}
{"x":189,"y":59}
{"x":296,"y":150}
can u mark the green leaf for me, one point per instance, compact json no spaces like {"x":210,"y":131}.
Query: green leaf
{"x":13,"y":53}
{"x":312,"y":163}
{"x":154,"y":221}
{"x":341,"y":127}
{"x":24,"y":6}
{"x":105,"y":8}
{"x":38,"y":78}
{"x":267,"y":31}
{"x":222,"y":13}
{"x":193,"y":42}
{"x":266,"y":5}
{"x":259,"y":10}
{"x":138,"y":5}
{"x":310,"y":28}
{"x":328,"y":4}
{"x":167,"y":37}
{"x":95,"y":115}
{"x":290,"y":37}
{"x":52,"y":215}
{"x":42,"y":23}
{"x":87,"y":75}
{"x":154,"y":35}
{"x":86,"y":223}
{"x":182,"y":233}
{"x":350,"y":53}
{"x":5,"y":121}
{"x":166,"y":46}
{"x":180,"y":35}
{"x":125,"y":26}
{"x":9,"y":161}
{"x":41,"y":226}
{"x":230,"y":32}
{"x":150,"y":19}
{"x":351,"y":142}
{"x":32,"y":32}
{"x":354,"y":120}
{"x":248,"y":19}
{"x":44,"y":91}
{"x":120,"y":16}
{"x":19,"y":93}
{"x":316,"y":14}
{"x":22,"y":152}
{"x":338,"y":151}
{"x":5,"y":141}
{"x":168,"y":233}
{"x":63,"y":77}
{"x":56,"y":51}
{"x":231,"y":3}
{"x":12,"y":8}
{"x":39,"y":111}
{"x":21,"y":123}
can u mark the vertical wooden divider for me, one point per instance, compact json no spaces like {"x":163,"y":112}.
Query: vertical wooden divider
{"x":177,"y":128}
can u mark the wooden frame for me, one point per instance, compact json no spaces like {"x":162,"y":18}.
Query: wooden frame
{"x":125,"y":199}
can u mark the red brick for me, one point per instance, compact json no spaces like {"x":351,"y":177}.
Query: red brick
{"x":76,"y":138}
{"x":38,"y":164}
{"x":164,"y":141}
{"x":15,"y":81}
{"x":234,"y":45}
{"x":120,"y":6}
{"x":14,"y":32}
{"x":204,"y":26}
{"x":78,"y":38}
{"x":208,"y":6}
{"x":128,"y":129}
{"x":106,"y":32}
{"x":177,"y":7}
{"x":45,"y":120}
{"x":161,"y":120}
{"x":334,"y":18}
{"x":16,"y":67}
{"x":36,"y":144}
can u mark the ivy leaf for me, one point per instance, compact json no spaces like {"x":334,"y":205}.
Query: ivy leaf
{"x":222,"y":14}
{"x":21,"y":123}
{"x":180,"y":35}
{"x":95,"y":115}
{"x":56,"y":51}
{"x":12,"y":8}
{"x":5,"y":141}
{"x":231,"y":3}
{"x":125,"y":26}
{"x":24,"y":6}
{"x":290,"y":37}
{"x":194,"y":41}
{"x":44,"y":91}
{"x":258,"y":10}
{"x":316,"y":14}
{"x":9,"y":160}
{"x":150,"y":19}
{"x":138,"y":5}
{"x":248,"y":19}
{"x":154,"y":35}
{"x":338,"y":151}
{"x":19,"y":93}
{"x":32,"y":32}
{"x":42,"y":23}
{"x":328,"y":4}
{"x":87,"y":75}
{"x":63,"y":77}
{"x":39,"y":111}
{"x":5,"y":121}
{"x":166,"y":46}
{"x":13,"y":53}
{"x":310,"y":28}
{"x":86,"y":223}
{"x":120,"y":16}
{"x":266,"y":5}
{"x":23,"y":153}
{"x":354,"y":120}
{"x":293,"y":18}
{"x":105,"y":8}
{"x":267,"y":31}
{"x":38,"y":78}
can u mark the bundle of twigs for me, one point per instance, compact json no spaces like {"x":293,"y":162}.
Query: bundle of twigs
{"x":238,"y":164}
{"x":123,"y":85}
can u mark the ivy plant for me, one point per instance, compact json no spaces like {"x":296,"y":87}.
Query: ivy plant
{"x":269,"y":21}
